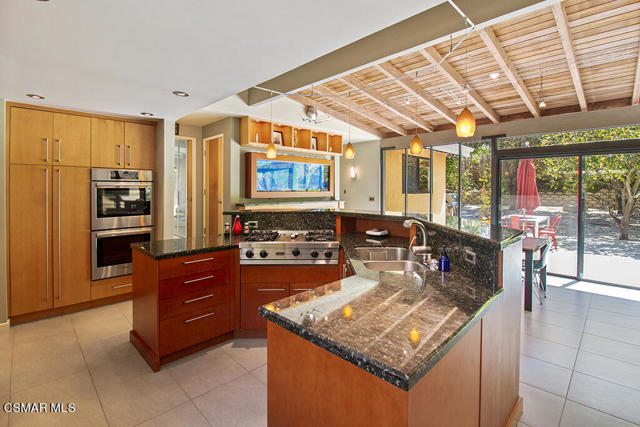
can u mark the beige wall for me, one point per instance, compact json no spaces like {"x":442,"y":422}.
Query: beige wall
{"x":164,"y":180}
{"x":357,"y":191}
{"x":4,"y":306}
{"x":416,"y":203}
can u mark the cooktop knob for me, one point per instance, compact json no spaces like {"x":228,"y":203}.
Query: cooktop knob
{"x":249,"y":254}
{"x":328,"y":254}
{"x":295,"y":252}
{"x":263,"y":254}
{"x":314,"y":254}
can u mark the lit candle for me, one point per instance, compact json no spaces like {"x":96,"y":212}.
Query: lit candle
{"x":270,"y":307}
{"x":347,"y":311}
{"x":414,"y":336}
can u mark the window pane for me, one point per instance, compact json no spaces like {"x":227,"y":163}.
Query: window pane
{"x":572,"y":137}
{"x":180,"y":189}
{"x":476,"y":180}
{"x":417,"y":175}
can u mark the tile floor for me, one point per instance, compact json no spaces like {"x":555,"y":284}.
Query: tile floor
{"x":580,"y":365}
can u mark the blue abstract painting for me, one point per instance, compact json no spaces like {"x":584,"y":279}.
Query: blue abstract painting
{"x":278,"y":176}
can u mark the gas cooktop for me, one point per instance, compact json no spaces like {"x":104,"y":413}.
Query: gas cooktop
{"x":289,"y":247}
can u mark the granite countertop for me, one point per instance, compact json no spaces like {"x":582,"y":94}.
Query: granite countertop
{"x":366,"y":319}
{"x":172,"y":248}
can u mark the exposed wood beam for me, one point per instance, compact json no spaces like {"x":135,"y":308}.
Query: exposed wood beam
{"x":391,"y":105}
{"x":413,"y":88}
{"x":493,"y":45}
{"x":562,"y":23}
{"x":358,"y":109}
{"x":432,"y":55}
{"x":305,"y":100}
{"x":635,"y":98}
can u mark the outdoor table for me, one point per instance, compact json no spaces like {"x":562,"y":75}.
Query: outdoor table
{"x":529,"y":246}
{"x":535,"y":220}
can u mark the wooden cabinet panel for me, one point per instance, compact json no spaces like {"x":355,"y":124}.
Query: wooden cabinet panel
{"x":186,"y":330}
{"x":192,"y":264}
{"x":30,"y":243}
{"x":182,"y":285}
{"x":194,"y":301}
{"x":140,"y":143}
{"x":107,"y":143}
{"x":111,"y":287}
{"x":254,"y":295}
{"x":31,"y":136}
{"x":71,"y":236}
{"x":71,"y":140}
{"x":291,"y":273}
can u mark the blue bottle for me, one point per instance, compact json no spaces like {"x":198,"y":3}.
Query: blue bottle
{"x":444,"y":264}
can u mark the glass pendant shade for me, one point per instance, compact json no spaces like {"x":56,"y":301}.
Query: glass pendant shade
{"x":416,"y":145}
{"x":466,"y":124}
{"x":349,"y":152}
{"x":271,"y":151}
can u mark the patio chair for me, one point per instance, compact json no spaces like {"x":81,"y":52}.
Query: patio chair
{"x":551,"y":230}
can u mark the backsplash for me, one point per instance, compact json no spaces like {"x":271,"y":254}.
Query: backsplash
{"x":285,"y":220}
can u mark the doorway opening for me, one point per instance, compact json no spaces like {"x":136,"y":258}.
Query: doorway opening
{"x":213,"y":185}
{"x":184,"y":188}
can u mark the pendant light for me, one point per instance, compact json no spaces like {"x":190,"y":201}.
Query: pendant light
{"x":542,"y":104}
{"x":271,"y":148}
{"x":416,"y":143}
{"x":466,"y":123}
{"x":349,"y":152}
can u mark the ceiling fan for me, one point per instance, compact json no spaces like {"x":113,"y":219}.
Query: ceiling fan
{"x":311,"y":115}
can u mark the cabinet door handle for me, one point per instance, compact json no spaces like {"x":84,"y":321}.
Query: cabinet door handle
{"x":59,"y":148}
{"x":189,"y":301}
{"x":59,"y":235}
{"x":271,"y":290}
{"x":46,"y":148}
{"x":199,"y":317}
{"x":196,"y":261}
{"x":46,"y":226}
{"x":119,"y":153}
{"x":130,"y":155}
{"x":121,"y":286}
{"x":187,"y":282}
{"x":302,"y":289}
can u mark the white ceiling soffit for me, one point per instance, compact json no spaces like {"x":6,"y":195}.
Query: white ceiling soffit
{"x":285,"y":110}
{"x":125,"y":57}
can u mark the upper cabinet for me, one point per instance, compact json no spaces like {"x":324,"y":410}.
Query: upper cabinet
{"x":31,"y":136}
{"x":71,"y":140}
{"x":107,"y":143}
{"x":140,"y":143}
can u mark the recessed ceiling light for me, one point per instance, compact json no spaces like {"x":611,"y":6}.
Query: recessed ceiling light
{"x":180,"y":93}
{"x":494,"y":75}
{"x":146,"y":114}
{"x":35,"y":96}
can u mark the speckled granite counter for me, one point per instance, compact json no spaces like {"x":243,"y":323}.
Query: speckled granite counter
{"x":365,"y":319}
{"x":172,"y":248}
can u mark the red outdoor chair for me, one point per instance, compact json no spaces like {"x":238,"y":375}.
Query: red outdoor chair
{"x":551,"y":230}
{"x":515,"y":222}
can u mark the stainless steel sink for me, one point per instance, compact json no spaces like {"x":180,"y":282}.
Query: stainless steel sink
{"x":397,"y":265}
{"x":385,"y":254}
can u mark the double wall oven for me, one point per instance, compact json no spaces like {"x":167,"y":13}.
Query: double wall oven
{"x":121,"y":214}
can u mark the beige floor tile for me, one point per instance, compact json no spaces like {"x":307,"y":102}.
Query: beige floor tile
{"x":132,"y":402}
{"x":545,"y":376}
{"x":113,"y":348}
{"x":548,"y":351}
{"x":616,"y":319}
{"x":550,"y":332}
{"x":576,"y":415}
{"x":77,"y":389}
{"x":204,"y":371}
{"x":261,"y":373}
{"x":241,"y":402}
{"x":617,"y":306}
{"x":96,"y":315}
{"x":562,"y":307}
{"x":607,"y":397}
{"x":36,"y":362}
{"x":185,"y":415}
{"x":90,"y":330}
{"x":608,"y":369}
{"x":618,"y":333}
{"x":41,"y":329}
{"x":569,"y":296}
{"x":566,"y":321}
{"x":615,"y":349}
{"x":540,"y":409}
{"x":249,"y":352}
{"x":120,"y":369}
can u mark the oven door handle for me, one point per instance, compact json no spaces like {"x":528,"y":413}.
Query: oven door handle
{"x":123,"y":232}
{"x":123,"y":185}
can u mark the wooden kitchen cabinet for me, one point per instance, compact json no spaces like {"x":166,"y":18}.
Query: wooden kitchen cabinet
{"x":140,"y":143}
{"x":107,"y":143}
{"x":71,"y":236}
{"x":254,"y":295}
{"x":71,"y":140}
{"x":30,"y":243}
{"x":30,"y":132}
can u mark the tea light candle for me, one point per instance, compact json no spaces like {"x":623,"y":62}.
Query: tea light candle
{"x":347,"y":311}
{"x":270,"y":307}
{"x":414,"y":336}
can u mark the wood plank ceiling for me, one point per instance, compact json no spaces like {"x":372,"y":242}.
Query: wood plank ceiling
{"x":587,"y":50}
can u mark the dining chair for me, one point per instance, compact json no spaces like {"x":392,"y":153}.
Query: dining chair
{"x":540,"y":273}
{"x":552,"y":230}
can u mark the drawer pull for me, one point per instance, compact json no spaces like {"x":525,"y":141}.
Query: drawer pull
{"x":302,"y":289}
{"x":197,"y":299}
{"x":197,"y":260}
{"x":186,"y":282}
{"x":199,"y":317}
{"x":121,"y":286}
{"x":271,"y":290}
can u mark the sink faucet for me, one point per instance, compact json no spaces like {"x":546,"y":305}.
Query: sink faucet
{"x":417,"y":250}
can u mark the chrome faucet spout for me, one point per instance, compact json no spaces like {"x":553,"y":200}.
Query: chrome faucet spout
{"x":416,"y":250}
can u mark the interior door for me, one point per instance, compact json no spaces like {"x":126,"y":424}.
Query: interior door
{"x":139,"y":146}
{"x":71,"y":236}
{"x":30,"y":133}
{"x":107,"y":143}
{"x":71,"y":140}
{"x":30,"y":243}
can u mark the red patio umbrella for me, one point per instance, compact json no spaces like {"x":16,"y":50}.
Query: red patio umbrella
{"x":527,"y":194}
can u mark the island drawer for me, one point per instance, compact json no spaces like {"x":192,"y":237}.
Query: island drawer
{"x":194,"y":301}
{"x":182,"y":285}
{"x":174,"y":267}
{"x":254,"y":295}
{"x":186,"y":330}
